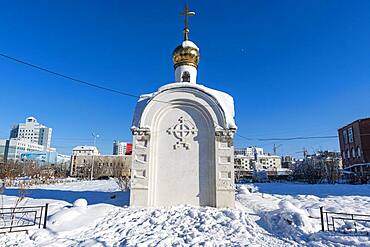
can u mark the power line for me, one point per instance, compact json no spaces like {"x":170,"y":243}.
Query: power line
{"x":287,"y":138}
{"x":84,"y":82}
{"x":68,"y":77}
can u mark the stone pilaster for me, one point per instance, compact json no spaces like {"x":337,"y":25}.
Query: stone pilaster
{"x":140,"y":167}
{"x":225,"y":183}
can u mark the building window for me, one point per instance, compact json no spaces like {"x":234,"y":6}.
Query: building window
{"x":348,"y":154}
{"x":358,"y":151}
{"x":345,"y":137}
{"x":350,"y":135}
{"x":185,"y":76}
{"x":353,"y":153}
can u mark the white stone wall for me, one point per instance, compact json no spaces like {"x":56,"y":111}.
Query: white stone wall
{"x":195,"y":167}
{"x":225,"y":168}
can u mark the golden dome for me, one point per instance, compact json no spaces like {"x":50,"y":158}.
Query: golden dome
{"x":186,"y":54}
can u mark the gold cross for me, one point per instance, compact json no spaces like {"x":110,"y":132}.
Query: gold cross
{"x":187,"y":13}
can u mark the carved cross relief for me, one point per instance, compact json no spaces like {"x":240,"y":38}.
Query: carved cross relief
{"x":182,"y":131}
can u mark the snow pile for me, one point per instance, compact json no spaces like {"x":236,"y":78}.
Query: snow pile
{"x":99,"y":225}
{"x":274,"y":214}
{"x":225,"y":101}
{"x":324,"y":239}
{"x":289,"y":221}
{"x":246,"y":189}
{"x":188,"y":43}
{"x":81,"y":203}
{"x":140,"y":107}
{"x":243,"y":190}
{"x":70,"y":218}
{"x":179,"y":226}
{"x":292,"y":211}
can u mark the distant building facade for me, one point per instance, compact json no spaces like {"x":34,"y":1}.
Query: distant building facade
{"x":32,"y":131}
{"x":122,"y":148}
{"x":83,"y":158}
{"x":30,"y":141}
{"x":249,"y":161}
{"x":249,"y":151}
{"x":85,"y":151}
{"x":2,"y":150}
{"x":354,"y":140}
{"x":14,"y":148}
{"x":43,"y":158}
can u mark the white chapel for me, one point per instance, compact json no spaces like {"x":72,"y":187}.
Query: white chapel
{"x":183,"y":151}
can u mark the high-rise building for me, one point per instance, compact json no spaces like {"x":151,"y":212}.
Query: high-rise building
{"x":32,"y":131}
{"x":122,"y":148}
{"x":27,"y":141}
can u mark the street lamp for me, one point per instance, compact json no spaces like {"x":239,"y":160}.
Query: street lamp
{"x":92,"y":167}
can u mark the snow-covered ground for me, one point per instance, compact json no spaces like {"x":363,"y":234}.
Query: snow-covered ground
{"x":291,"y":211}
{"x":276,"y":214}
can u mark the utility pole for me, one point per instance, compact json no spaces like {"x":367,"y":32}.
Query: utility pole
{"x":305,"y":152}
{"x":92,"y":166}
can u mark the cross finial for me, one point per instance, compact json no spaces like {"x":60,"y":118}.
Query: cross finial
{"x":187,"y":13}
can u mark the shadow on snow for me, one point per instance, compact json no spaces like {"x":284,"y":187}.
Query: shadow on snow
{"x":117,"y":198}
{"x":319,"y":190}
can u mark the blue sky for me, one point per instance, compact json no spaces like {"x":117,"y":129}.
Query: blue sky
{"x":294,"y":68}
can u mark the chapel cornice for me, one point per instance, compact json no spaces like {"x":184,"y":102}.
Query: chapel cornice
{"x":140,"y":131}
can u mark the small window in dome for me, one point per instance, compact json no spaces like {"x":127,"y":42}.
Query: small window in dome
{"x":185,"y":76}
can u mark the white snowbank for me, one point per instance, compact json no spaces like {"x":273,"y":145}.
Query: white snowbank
{"x":80,"y":203}
{"x":69,"y":219}
{"x":275,"y":214}
{"x":289,"y":221}
{"x":292,"y":211}
{"x":175,"y":226}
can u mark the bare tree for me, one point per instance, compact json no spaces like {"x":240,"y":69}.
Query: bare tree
{"x":21,"y":196}
{"x":311,"y":171}
{"x":121,"y":173}
{"x":332,"y":171}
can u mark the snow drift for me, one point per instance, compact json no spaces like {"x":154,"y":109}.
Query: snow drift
{"x":289,"y":221}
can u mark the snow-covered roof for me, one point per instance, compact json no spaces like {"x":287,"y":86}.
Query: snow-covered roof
{"x":225,"y":101}
{"x":84,"y":148}
{"x":188,"y":43}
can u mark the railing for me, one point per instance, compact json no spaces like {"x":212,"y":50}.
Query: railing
{"x":329,"y":219}
{"x":22,"y":218}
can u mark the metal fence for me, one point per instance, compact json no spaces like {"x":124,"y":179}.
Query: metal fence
{"x":23,"y":218}
{"x":333,"y":221}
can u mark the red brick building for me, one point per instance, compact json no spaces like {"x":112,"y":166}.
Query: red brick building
{"x":354,"y":140}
